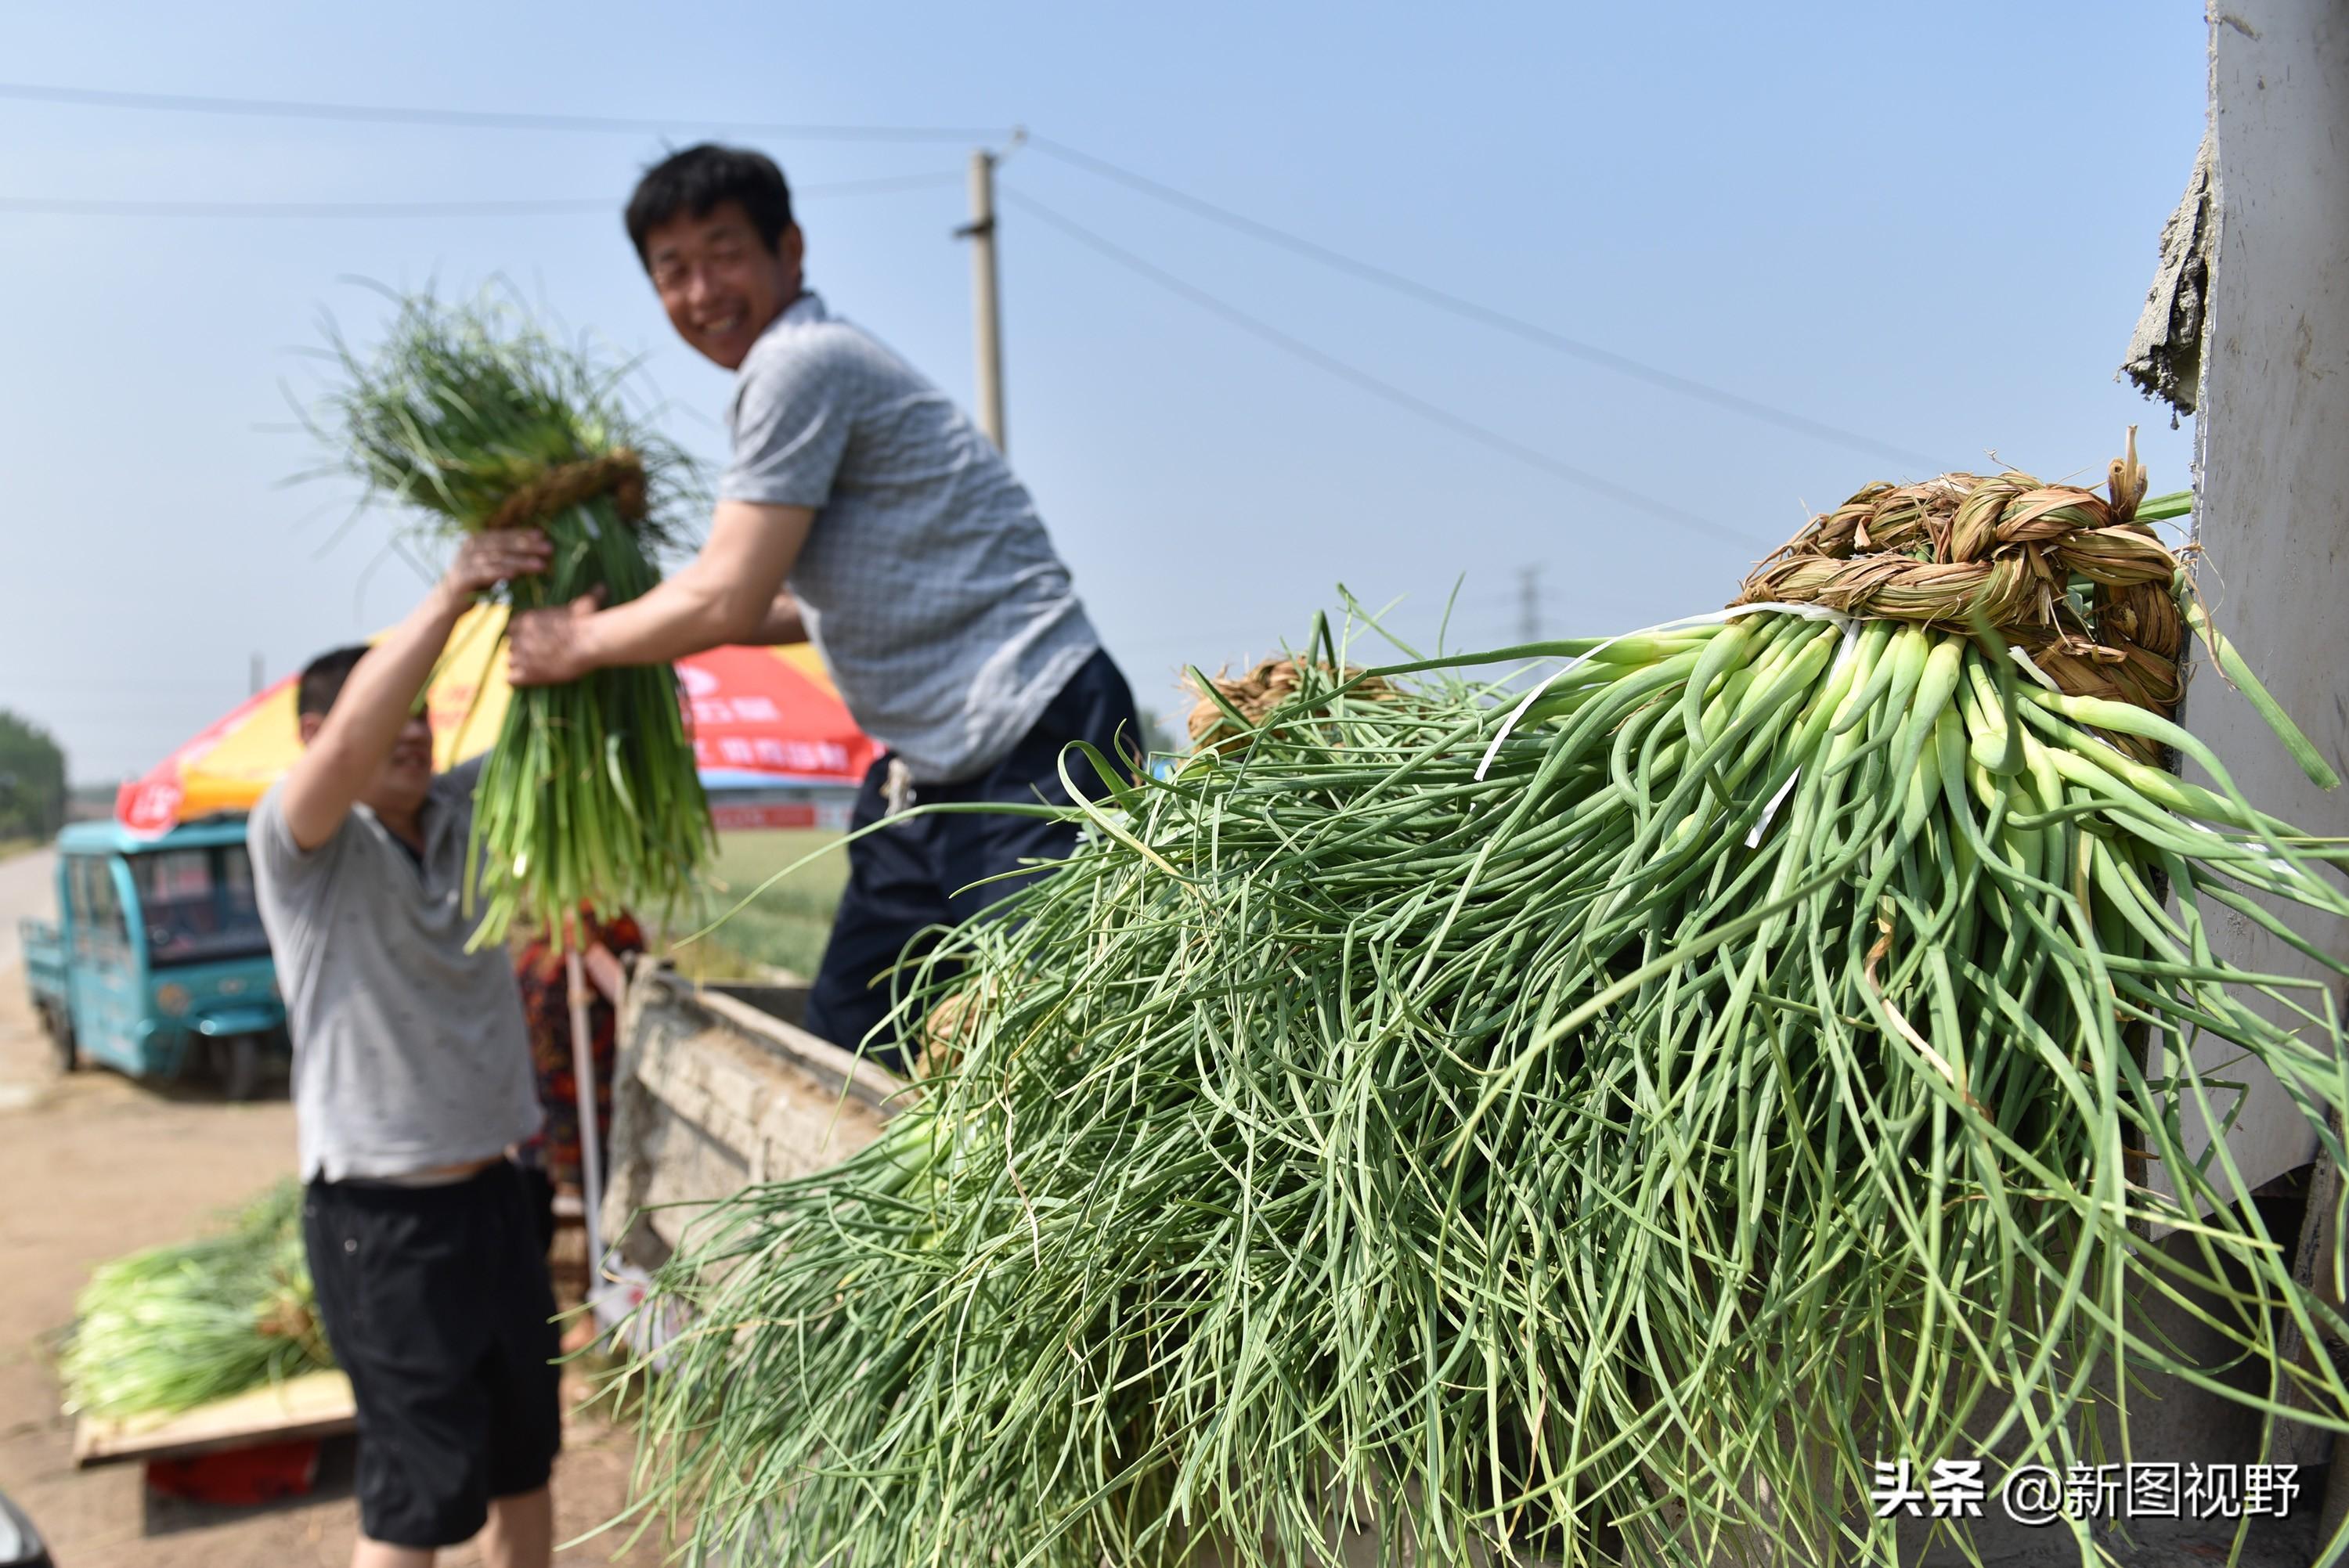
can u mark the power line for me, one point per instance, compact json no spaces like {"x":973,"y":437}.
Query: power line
{"x":515,"y":120}
{"x":503,"y":119}
{"x":1623,"y":495}
{"x":486,"y":120}
{"x":1501,"y":320}
{"x":142,"y":683}
{"x":78,"y":207}
{"x":75,"y":207}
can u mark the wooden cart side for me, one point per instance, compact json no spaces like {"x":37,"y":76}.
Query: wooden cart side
{"x":714,"y":1089}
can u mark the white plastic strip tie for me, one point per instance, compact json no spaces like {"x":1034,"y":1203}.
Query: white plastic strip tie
{"x":2272,"y":864}
{"x":1714,"y":618}
{"x":1754,"y":839}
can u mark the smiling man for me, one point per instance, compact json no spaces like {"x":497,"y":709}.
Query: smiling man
{"x":863,"y":510}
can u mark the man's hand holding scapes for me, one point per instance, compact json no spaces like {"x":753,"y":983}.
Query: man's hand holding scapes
{"x":486,"y":560}
{"x":733,"y":590}
{"x":548,"y":647}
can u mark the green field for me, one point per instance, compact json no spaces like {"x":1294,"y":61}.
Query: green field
{"x":784,"y":927}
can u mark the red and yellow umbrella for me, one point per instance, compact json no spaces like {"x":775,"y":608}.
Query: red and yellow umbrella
{"x":761,"y":719}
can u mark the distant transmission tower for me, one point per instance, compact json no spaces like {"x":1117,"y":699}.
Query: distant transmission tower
{"x":1529,"y":603}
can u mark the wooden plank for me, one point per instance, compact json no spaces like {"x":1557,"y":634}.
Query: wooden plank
{"x":314,"y":1405}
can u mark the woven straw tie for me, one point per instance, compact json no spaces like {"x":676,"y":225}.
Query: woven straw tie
{"x":619,"y":474}
{"x":1933,"y":553}
{"x":1257,"y":694}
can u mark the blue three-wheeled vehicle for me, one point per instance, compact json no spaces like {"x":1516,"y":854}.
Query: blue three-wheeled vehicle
{"x":158,"y":964}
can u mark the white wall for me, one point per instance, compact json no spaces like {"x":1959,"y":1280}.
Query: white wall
{"x":2273,"y":439}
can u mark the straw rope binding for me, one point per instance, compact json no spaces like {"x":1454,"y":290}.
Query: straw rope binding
{"x":2063,"y":572}
{"x":619,"y":474}
{"x":1257,"y":694}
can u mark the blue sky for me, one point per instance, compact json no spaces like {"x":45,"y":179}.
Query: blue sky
{"x":1932,"y":225}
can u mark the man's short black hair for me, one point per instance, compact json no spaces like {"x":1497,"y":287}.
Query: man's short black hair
{"x":696,"y":180}
{"x":321,"y":680}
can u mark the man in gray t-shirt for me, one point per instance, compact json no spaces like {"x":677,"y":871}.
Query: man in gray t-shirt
{"x":861,"y":509}
{"x":412,"y":1079}
{"x":412,"y":1055}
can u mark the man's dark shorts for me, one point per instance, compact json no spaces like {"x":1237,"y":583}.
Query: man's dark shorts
{"x":920,"y":873}
{"x":435,"y":1300}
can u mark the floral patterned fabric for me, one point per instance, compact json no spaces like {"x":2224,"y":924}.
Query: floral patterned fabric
{"x":546,"y":1009}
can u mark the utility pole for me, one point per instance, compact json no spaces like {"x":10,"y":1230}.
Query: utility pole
{"x":986,"y":307}
{"x":1529,"y":603}
{"x":256,"y":675}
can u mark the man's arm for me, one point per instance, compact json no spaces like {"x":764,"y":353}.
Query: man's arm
{"x":360,"y":730}
{"x":784,"y":623}
{"x":728,"y":595}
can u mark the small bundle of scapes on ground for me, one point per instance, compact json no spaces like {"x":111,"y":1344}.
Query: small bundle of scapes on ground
{"x":1584,"y":1122}
{"x":172,"y":1327}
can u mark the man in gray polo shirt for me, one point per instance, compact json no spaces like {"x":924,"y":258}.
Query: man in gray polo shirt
{"x":412,"y":1081}
{"x":863,"y":510}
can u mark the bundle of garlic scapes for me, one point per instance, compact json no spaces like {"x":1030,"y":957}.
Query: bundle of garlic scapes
{"x":1588,"y":1127}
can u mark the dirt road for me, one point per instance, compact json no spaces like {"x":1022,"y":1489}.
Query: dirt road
{"x":92,"y":1166}
{"x":25,"y":882}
